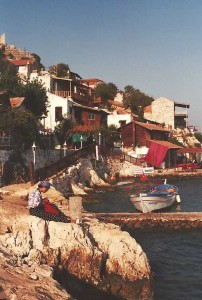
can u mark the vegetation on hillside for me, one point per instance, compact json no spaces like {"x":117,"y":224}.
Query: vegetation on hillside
{"x":105,"y":91}
{"x":198,"y":136}
{"x":62,"y":128}
{"x":22,"y":125}
{"x":36,"y":100}
{"x":59,"y":70}
{"x":136,"y":100}
{"x":9,"y":81}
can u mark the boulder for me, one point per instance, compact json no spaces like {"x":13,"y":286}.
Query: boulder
{"x":96,"y":253}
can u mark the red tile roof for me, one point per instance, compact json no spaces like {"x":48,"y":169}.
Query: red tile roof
{"x":151,"y":126}
{"x":91,"y":80}
{"x":148,"y":109}
{"x":22,"y":62}
{"x":115,"y":103}
{"x":17,"y":101}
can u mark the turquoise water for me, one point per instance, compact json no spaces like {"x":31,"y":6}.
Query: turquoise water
{"x":175,"y":256}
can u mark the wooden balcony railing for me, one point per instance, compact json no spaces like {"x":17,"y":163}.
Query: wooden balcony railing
{"x":63,"y":94}
{"x":76,"y":96}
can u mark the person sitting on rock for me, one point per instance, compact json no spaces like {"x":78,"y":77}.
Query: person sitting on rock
{"x":42,"y":208}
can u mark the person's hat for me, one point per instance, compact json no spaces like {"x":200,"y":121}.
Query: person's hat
{"x":44,"y":184}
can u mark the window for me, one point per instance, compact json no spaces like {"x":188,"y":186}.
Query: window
{"x":122,"y":123}
{"x":91,"y":116}
{"x":58,"y":113}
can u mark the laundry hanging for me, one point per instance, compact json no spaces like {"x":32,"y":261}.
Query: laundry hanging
{"x":156,"y":154}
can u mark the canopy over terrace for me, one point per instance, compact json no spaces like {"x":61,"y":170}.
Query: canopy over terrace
{"x":190,"y":150}
{"x":191,"y":154}
{"x":160,"y":151}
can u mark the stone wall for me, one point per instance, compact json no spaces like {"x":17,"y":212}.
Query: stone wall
{"x":162,"y":112}
{"x":43,"y":157}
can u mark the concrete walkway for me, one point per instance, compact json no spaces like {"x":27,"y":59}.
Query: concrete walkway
{"x":177,"y":220}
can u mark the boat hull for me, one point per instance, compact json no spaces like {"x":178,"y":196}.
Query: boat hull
{"x":147,"y":203}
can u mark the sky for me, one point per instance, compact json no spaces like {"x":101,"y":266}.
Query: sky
{"x":153,"y":45}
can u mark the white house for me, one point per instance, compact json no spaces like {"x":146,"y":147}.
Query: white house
{"x":24,"y":66}
{"x":119,"y":118}
{"x":58,"y":107}
{"x":44,"y":77}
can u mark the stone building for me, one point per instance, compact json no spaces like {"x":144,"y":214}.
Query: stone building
{"x":167,"y":112}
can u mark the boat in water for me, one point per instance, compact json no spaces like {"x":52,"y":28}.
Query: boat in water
{"x":156,"y":198}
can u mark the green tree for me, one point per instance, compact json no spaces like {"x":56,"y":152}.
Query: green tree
{"x":61,"y":130}
{"x":136,"y":100}
{"x":36,"y":99}
{"x":40,"y":66}
{"x":198,"y":136}
{"x":9,"y":80}
{"x":59,"y":70}
{"x":109,"y":133}
{"x":21,"y":125}
{"x":107,"y":91}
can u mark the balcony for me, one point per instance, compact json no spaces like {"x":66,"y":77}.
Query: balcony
{"x":63,"y":94}
{"x":81,"y":97}
{"x":75,"y":96}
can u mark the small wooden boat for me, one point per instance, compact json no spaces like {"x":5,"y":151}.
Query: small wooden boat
{"x":156,"y":198}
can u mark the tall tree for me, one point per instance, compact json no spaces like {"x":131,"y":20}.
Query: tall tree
{"x":106,"y":91}
{"x":40,"y":66}
{"x":61,"y":130}
{"x":9,"y":79}
{"x":136,"y":100}
{"x":22,"y":125}
{"x":36,"y":99}
{"x":59,"y":70}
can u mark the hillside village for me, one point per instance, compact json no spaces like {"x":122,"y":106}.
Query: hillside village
{"x":164,"y":123}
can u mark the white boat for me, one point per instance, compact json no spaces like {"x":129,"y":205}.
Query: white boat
{"x":156,"y":198}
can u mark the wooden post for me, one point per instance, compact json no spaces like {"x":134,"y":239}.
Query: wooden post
{"x":2,"y":173}
{"x":134,"y":132}
{"x":31,"y":172}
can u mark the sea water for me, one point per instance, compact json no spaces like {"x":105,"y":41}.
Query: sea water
{"x":175,"y":256}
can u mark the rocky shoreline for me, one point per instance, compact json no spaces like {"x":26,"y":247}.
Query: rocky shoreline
{"x":98,"y":255}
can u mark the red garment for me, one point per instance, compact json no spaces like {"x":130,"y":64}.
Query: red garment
{"x":48,"y":207}
{"x":156,"y":154}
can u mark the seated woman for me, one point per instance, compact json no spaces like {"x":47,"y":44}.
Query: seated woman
{"x":42,"y":208}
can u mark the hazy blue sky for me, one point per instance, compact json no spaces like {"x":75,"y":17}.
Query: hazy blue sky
{"x":154,"y":45}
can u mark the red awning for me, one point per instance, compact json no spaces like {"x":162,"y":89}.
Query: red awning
{"x":156,"y":154}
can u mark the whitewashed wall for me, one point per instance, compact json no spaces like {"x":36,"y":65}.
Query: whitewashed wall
{"x":115,"y":119}
{"x":56,"y":101}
